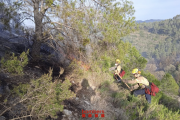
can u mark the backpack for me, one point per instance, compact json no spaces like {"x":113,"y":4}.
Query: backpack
{"x":152,"y":90}
{"x":122,"y":73}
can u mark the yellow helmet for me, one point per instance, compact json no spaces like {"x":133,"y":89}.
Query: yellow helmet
{"x":118,"y":61}
{"x":134,"y":71}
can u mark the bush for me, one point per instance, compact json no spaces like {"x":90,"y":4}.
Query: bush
{"x":104,"y":87}
{"x":41,"y":97}
{"x":162,"y":113}
{"x":169,"y":85}
{"x":106,"y":63}
{"x":135,"y":60}
{"x":15,"y":64}
{"x":150,"y":77}
{"x":169,"y":102}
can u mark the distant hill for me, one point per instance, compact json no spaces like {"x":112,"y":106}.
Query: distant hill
{"x":159,"y":42}
{"x":148,"y":21}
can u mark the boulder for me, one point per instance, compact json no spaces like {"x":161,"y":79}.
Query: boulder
{"x":67,"y":112}
{"x":2,"y":118}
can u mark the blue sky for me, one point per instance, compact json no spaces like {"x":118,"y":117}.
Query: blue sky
{"x":156,"y":9}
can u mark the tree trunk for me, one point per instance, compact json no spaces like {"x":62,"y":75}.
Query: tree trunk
{"x":36,"y":51}
{"x":38,"y":17}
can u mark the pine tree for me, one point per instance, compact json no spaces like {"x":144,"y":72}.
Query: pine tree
{"x":169,"y":85}
{"x":76,"y":21}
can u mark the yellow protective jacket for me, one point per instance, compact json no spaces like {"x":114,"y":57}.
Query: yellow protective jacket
{"x":141,"y":80}
{"x":118,"y":69}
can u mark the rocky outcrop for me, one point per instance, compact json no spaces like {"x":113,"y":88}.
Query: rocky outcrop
{"x":2,"y":118}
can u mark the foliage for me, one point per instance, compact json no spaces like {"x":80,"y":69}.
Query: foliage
{"x":104,"y":87}
{"x":42,"y":97}
{"x":168,"y":84}
{"x":170,"y":69}
{"x":150,"y":77}
{"x":86,"y":41}
{"x":102,"y":26}
{"x":128,"y":55}
{"x":136,"y":59}
{"x":9,"y":15}
{"x":168,"y":46}
{"x":158,"y":109}
{"x":77,"y":23}
{"x":76,"y":67}
{"x":162,"y":106}
{"x":105,"y":62}
{"x":169,"y":102}
{"x":163,"y":113}
{"x":15,"y":64}
{"x":164,"y":51}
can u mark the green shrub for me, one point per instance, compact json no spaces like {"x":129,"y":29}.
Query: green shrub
{"x":163,"y":113}
{"x":155,"y":99}
{"x":169,"y":85}
{"x":150,"y":77}
{"x":75,"y":68}
{"x":169,"y":102}
{"x":104,"y":87}
{"x":15,"y":64}
{"x":42,"y":96}
{"x":117,"y":95}
{"x":86,"y":41}
{"x":106,"y":63}
{"x":135,"y":60}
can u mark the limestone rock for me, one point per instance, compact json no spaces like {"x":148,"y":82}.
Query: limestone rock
{"x":67,"y":112}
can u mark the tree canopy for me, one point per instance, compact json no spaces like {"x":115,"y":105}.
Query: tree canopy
{"x":75,"y":22}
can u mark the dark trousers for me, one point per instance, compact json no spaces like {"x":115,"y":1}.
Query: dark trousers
{"x":142,"y":92}
{"x":117,"y":78}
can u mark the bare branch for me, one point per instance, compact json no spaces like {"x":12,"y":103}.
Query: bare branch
{"x":21,"y":117}
{"x":30,"y":2}
{"x":28,"y":14}
{"x":26,"y":19}
{"x":64,"y":25}
{"x":99,"y":3}
{"x":12,"y":106}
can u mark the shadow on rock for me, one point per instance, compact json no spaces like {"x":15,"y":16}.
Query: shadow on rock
{"x":86,"y":91}
{"x":73,"y":107}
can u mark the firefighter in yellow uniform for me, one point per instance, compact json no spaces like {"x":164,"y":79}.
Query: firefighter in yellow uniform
{"x":139,"y":81}
{"x":117,"y":70}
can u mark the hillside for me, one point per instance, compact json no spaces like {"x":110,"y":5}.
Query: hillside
{"x":159,"y":42}
{"x":59,"y":70}
{"x":145,"y":41}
